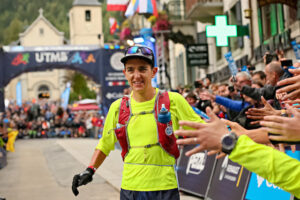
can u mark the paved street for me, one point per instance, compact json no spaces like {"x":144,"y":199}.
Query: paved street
{"x":43,"y":169}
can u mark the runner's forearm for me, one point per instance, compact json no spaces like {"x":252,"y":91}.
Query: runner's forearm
{"x":97,"y":159}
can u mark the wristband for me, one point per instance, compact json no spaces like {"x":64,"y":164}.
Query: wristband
{"x":92,"y":168}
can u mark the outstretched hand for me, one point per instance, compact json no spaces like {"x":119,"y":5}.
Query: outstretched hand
{"x":207,"y":135}
{"x":259,"y":113}
{"x":285,"y":128}
{"x":293,"y":85}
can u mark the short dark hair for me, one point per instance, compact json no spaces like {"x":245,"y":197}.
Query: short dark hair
{"x":191,"y":95}
{"x":261,"y":74}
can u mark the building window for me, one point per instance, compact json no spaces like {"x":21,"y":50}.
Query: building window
{"x":235,"y":18}
{"x":87,"y":15}
{"x":272,"y":21}
{"x":41,"y":31}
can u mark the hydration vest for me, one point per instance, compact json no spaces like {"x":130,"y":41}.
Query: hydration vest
{"x":166,"y":141}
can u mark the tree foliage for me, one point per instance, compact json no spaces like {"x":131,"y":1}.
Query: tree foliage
{"x":79,"y":88}
{"x":17,"y":15}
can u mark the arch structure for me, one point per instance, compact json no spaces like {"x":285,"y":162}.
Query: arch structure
{"x":103,"y":66}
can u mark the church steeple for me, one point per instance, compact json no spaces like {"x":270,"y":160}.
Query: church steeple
{"x":86,"y":23}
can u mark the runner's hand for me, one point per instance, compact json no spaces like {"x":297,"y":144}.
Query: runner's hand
{"x":82,"y":179}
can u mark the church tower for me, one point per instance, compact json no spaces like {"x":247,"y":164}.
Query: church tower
{"x":86,"y":23}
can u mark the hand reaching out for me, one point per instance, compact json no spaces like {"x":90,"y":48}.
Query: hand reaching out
{"x":285,"y":128}
{"x":259,"y":113}
{"x":207,"y":135}
{"x":293,"y":85}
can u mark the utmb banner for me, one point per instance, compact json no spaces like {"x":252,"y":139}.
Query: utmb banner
{"x":102,"y":65}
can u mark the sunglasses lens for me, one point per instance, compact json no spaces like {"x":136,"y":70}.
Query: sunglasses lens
{"x":132,"y":50}
{"x":146,"y":51}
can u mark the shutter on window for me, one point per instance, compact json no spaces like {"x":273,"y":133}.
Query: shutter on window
{"x":260,"y":28}
{"x":298,"y":10}
{"x":239,"y":20}
{"x":273,"y":19}
{"x":280,"y":17}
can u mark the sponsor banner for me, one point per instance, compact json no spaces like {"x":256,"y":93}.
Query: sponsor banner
{"x":194,"y":172}
{"x":229,"y":181}
{"x":102,"y":65}
{"x":88,"y":62}
{"x":114,"y":81}
{"x":261,"y":189}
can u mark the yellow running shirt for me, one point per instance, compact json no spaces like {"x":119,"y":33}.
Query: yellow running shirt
{"x":146,"y":169}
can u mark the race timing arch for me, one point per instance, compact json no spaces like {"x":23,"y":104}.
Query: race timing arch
{"x":102,"y":65}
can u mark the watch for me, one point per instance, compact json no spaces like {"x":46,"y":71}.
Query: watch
{"x":228,"y":142}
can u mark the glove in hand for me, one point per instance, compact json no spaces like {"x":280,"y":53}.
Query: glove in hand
{"x":82,"y":179}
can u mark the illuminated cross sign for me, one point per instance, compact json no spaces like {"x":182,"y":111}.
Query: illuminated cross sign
{"x":221,"y":30}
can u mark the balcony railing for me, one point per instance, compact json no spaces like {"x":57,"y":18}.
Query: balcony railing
{"x":203,"y":10}
{"x":175,"y":9}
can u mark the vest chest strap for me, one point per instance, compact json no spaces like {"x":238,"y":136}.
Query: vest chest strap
{"x":145,"y":146}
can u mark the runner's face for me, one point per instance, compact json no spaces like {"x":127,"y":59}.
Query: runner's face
{"x":139,"y":74}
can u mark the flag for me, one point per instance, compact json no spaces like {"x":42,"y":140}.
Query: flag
{"x":19,"y":93}
{"x":132,"y":7}
{"x":113,"y":24}
{"x":148,"y":7}
{"x":141,"y":6}
{"x":117,"y":5}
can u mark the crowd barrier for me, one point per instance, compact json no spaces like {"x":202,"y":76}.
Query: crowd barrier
{"x":213,"y":179}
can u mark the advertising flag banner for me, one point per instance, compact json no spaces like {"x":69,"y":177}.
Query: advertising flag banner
{"x":19,"y":93}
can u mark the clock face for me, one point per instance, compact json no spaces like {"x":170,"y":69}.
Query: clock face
{"x":115,"y":61}
{"x":228,"y":141}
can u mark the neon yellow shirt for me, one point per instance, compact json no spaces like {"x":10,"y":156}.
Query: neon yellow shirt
{"x":269,"y":163}
{"x":146,"y":169}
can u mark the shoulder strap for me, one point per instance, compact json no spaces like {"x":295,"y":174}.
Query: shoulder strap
{"x":124,"y":110}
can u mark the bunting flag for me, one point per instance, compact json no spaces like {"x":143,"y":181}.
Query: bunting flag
{"x":131,"y":8}
{"x":140,"y":6}
{"x":113,"y":24}
{"x":148,"y":7}
{"x":117,"y":5}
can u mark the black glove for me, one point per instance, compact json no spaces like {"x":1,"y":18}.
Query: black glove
{"x":82,"y":179}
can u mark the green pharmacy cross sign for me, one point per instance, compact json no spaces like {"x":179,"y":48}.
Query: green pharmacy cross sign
{"x":221,"y":30}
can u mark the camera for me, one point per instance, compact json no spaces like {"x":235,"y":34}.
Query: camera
{"x":231,"y":88}
{"x":270,"y":57}
{"x":198,"y":84}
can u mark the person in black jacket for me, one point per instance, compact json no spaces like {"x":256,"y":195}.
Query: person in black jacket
{"x":274,"y":73}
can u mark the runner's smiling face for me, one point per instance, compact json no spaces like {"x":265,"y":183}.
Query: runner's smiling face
{"x":139,"y":73}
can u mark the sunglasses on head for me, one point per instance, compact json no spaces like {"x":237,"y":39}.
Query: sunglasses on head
{"x":135,"y":49}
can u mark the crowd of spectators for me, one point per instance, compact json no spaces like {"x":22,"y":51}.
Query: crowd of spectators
{"x":46,"y":119}
{"x":261,"y":109}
